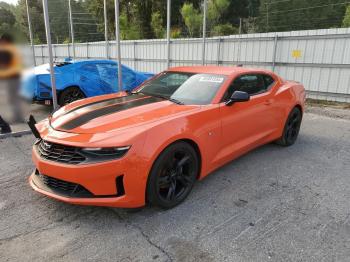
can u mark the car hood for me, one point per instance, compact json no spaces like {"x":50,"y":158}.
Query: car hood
{"x":115,"y":113}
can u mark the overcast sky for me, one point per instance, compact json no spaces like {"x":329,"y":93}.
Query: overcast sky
{"x":10,"y":1}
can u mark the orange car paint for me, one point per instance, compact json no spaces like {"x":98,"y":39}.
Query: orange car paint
{"x":220,"y":133}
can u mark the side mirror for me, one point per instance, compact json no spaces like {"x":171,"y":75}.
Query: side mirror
{"x":238,"y":96}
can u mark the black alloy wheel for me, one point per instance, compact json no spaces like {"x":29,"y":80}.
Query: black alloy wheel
{"x":70,"y":95}
{"x":173,"y":175}
{"x":291,"y":128}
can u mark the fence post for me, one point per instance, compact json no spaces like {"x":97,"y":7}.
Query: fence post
{"x":274,"y":53}
{"x":240,"y":26}
{"x":30,"y":33}
{"x":218,"y":62}
{"x":49,"y":46}
{"x":168,"y":31}
{"x":42,"y":54}
{"x":106,"y":27}
{"x":71,"y":27}
{"x":68,"y":50}
{"x":87,"y":50}
{"x":117,"y":39}
{"x":204,"y":29}
{"x":135,"y":56}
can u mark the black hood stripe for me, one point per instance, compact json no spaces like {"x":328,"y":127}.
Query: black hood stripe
{"x":106,"y":102}
{"x":83,"y":119}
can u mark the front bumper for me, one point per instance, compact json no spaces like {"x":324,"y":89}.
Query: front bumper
{"x":99,"y":180}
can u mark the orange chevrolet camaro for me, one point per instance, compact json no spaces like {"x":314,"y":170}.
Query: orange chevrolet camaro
{"x":152,"y":144}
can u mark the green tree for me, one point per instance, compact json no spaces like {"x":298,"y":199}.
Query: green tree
{"x":346,"y":20}
{"x":157,"y":25}
{"x":300,"y":14}
{"x":223,"y":29}
{"x":192,"y":18}
{"x":175,"y":32}
{"x":216,"y":9}
{"x":128,"y":31}
{"x":7,"y":21}
{"x":95,"y":7}
{"x":37,"y":19}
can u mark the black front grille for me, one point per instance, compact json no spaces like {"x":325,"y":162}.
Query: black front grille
{"x":60,"y":187}
{"x":60,"y":153}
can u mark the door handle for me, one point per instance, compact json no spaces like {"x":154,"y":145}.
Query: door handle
{"x":268,"y":102}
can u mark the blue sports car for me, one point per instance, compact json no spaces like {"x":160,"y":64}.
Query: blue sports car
{"x":78,"y":79}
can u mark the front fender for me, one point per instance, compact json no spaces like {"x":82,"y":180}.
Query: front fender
{"x":202,"y":128}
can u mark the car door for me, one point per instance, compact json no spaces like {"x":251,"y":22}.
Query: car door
{"x":246,"y":125}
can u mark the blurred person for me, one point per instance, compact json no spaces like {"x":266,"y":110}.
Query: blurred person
{"x":10,"y":70}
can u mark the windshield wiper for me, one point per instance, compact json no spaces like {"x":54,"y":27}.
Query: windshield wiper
{"x":176,"y":101}
{"x":164,"y":97}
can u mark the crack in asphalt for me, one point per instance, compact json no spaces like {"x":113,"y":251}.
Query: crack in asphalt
{"x":147,"y":238}
{"x":38,"y":230}
{"x":144,"y":235}
{"x":49,"y":226}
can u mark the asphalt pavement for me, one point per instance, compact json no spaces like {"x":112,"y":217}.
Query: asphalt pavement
{"x":273,"y":204}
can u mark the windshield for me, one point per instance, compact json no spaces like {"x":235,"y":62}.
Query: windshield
{"x":184,"y":88}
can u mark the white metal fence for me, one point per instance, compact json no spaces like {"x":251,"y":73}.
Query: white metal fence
{"x":320,"y":59}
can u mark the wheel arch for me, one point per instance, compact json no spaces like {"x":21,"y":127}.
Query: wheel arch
{"x":59,"y":92}
{"x":71,"y":85}
{"x":189,"y":141}
{"x":299,"y":107}
{"x":198,"y":152}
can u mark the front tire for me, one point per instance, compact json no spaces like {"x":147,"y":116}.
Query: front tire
{"x":69,"y":95}
{"x":291,"y":128}
{"x":173,"y":175}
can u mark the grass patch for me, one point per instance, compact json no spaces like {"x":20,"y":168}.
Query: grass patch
{"x":325,"y":103}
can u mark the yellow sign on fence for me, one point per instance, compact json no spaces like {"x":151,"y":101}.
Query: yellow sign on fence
{"x":296,"y":53}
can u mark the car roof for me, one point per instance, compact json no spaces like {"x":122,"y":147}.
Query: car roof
{"x":221,"y":70}
{"x":92,"y":61}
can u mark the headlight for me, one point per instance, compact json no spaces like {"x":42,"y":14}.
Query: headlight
{"x":102,"y":154}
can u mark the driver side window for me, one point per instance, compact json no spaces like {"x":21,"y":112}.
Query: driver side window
{"x":253,"y":84}
{"x":167,"y":84}
{"x":175,"y":79}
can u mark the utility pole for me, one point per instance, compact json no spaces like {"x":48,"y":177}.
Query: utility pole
{"x":204,"y":29}
{"x":117,"y":38}
{"x":267,"y":15}
{"x":49,"y":46}
{"x":71,"y":27}
{"x":168,"y":31}
{"x":106,"y":27}
{"x":30,"y":33}
{"x":240,"y":26}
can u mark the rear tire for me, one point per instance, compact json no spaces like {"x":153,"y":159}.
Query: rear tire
{"x":173,"y":175}
{"x":69,"y":95}
{"x":291,"y":128}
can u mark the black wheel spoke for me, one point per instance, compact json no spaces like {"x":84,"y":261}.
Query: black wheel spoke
{"x":288,"y":134}
{"x":296,"y":121}
{"x":185,"y":180}
{"x":171,"y":192}
{"x":163,"y":181}
{"x":183,"y":161}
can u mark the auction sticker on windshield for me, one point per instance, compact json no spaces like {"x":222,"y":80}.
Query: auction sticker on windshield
{"x":213,"y":79}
